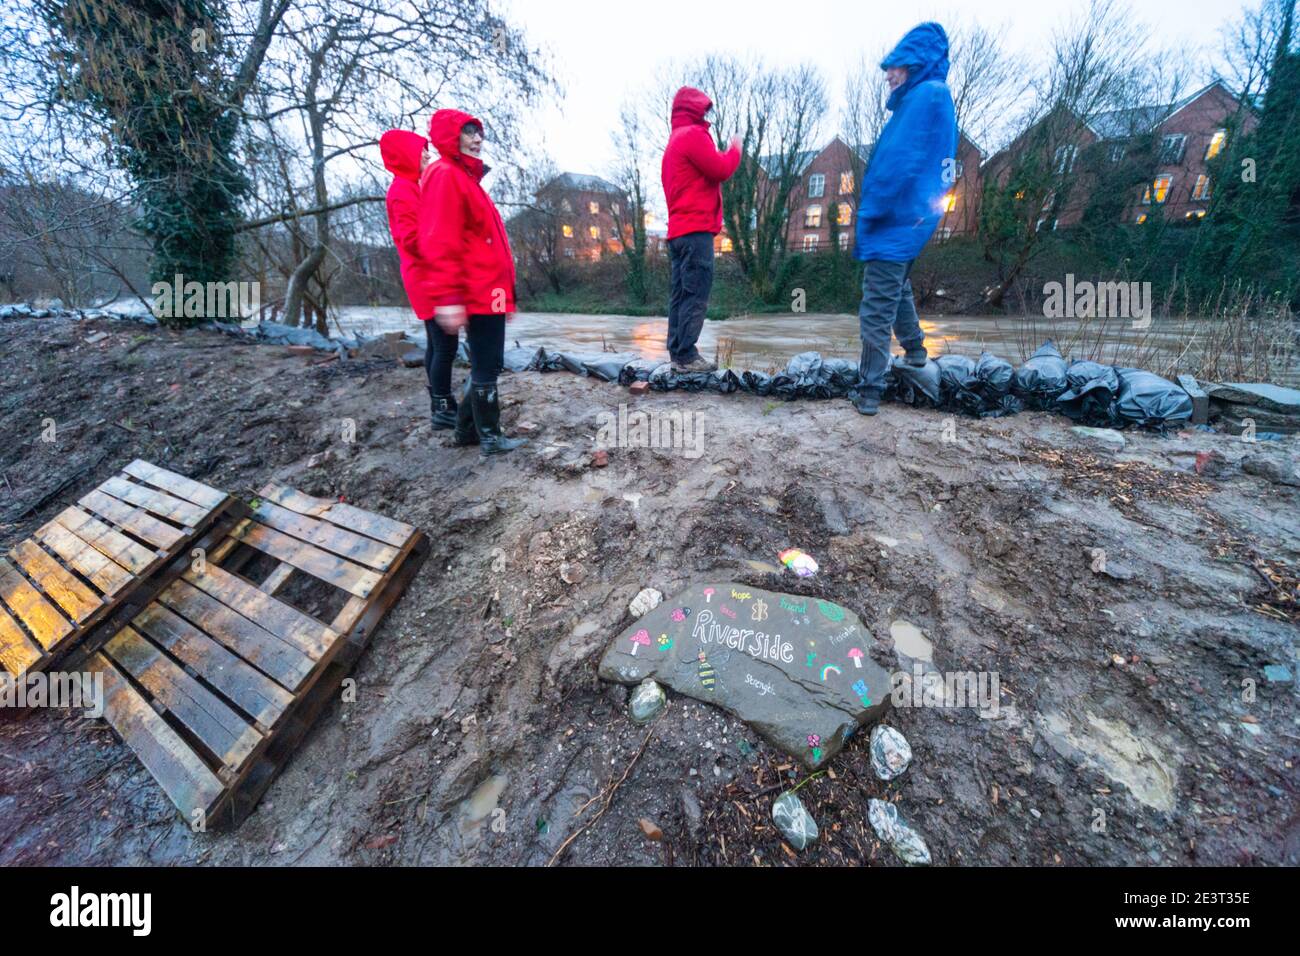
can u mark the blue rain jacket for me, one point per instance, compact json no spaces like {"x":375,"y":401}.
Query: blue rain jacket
{"x":913,"y":165}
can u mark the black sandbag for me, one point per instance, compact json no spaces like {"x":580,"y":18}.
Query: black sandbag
{"x":815,"y":377}
{"x":995,"y":376}
{"x":758,"y":383}
{"x":1090,"y":397}
{"x":638,"y":370}
{"x":1041,"y":380}
{"x":1148,"y":400}
{"x":957,"y":384}
{"x":608,"y":366}
{"x":913,"y":386}
{"x":517,"y":359}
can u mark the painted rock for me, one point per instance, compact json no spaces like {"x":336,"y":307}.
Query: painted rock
{"x":794,"y":821}
{"x":890,"y":752}
{"x":894,"y":831}
{"x":791,"y":667}
{"x":647,"y":701}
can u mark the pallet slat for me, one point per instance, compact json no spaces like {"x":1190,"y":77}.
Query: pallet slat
{"x":330,"y":568}
{"x":226,"y":735}
{"x":76,"y":599}
{"x":110,"y":542}
{"x":17,"y":652}
{"x":47,"y":625}
{"x":178,"y":485}
{"x":340,"y":541}
{"x":182,"y":775}
{"x":132,"y":518}
{"x":154,"y":501}
{"x":102,"y":571}
{"x":284,"y":621}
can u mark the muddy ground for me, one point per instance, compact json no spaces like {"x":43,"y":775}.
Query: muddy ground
{"x":481,"y":733}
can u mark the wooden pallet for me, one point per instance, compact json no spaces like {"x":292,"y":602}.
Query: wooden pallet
{"x":216,"y":682}
{"x":111,"y":551}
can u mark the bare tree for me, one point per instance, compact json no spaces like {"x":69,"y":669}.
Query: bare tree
{"x":631,"y":173}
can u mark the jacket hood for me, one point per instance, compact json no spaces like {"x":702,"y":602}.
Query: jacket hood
{"x":401,"y":151}
{"x":444,"y":133}
{"x":689,"y":106}
{"x":924,"y":51}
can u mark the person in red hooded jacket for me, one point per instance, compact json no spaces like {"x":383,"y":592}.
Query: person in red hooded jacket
{"x":468,"y":276}
{"x":405,"y":155}
{"x":693,"y":173}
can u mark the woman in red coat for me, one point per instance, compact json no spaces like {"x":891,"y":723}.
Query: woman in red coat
{"x":467,"y":275}
{"x":406,"y":154}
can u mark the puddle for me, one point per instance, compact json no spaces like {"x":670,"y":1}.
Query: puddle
{"x":1111,"y":747}
{"x":762,"y":567}
{"x":909,"y":640}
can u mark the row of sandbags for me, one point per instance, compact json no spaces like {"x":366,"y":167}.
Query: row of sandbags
{"x":987,"y":387}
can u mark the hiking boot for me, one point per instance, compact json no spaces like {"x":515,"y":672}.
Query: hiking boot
{"x":442,"y":409}
{"x":868,"y":401}
{"x":465,"y":433}
{"x":916,"y":357}
{"x":487,"y":422}
{"x":697,"y":364}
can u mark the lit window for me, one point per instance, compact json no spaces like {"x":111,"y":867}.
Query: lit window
{"x":1020,"y":194}
{"x":812,"y":217}
{"x":1065,"y":155}
{"x":648,"y":220}
{"x":568,"y":231}
{"x":1195,"y":214}
{"x":593,"y":208}
{"x":816,"y":186}
{"x":1202,"y":188}
{"x":843,"y":214}
{"x":1160,"y":189}
{"x":950,"y":202}
{"x":594,"y":232}
{"x":1171,"y":149}
{"x":1141,"y":218}
{"x":844,"y":241}
{"x":1117,"y":152}
{"x":1216,"y":143}
{"x":846,"y":184}
{"x":724,"y":244}
{"x":810,"y":242}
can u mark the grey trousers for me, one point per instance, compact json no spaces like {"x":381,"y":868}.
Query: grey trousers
{"x":690,"y":262}
{"x":887,"y":306}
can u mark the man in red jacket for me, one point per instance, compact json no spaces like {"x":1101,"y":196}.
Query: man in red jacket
{"x":468,"y":274}
{"x":693,"y":173}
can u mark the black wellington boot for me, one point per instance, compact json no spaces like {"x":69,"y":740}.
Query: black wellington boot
{"x":465,"y":432}
{"x":443,"y":408}
{"x":487,"y":422}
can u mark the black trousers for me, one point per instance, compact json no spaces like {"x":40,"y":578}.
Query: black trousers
{"x":486,"y":337}
{"x":690,"y":260}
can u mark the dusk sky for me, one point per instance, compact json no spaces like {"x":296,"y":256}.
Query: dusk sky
{"x":603,"y":49}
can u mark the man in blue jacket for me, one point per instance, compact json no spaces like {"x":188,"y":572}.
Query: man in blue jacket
{"x":911,"y":169}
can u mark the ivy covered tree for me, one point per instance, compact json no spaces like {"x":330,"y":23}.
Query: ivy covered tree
{"x":158,"y":80}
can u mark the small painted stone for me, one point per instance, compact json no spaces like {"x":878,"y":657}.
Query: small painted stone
{"x":890,"y":752}
{"x":645,"y":602}
{"x":647,"y":701}
{"x":794,"y":822}
{"x":894,"y":832}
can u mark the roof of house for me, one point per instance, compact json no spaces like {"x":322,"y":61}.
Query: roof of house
{"x":1120,"y":124}
{"x":582,"y":182}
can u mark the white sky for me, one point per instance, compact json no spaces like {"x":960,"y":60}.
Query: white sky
{"x":602,"y":50}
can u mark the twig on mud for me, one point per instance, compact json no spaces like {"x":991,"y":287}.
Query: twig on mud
{"x":609,"y":799}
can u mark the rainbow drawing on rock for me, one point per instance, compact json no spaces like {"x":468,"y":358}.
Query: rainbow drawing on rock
{"x":827,"y":669}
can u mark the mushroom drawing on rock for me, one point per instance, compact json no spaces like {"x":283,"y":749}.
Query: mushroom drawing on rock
{"x":708,"y":595}
{"x":640,"y":637}
{"x":856,"y":654}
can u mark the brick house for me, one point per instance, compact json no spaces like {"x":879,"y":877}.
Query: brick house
{"x":590,"y":210}
{"x":1185,"y":135}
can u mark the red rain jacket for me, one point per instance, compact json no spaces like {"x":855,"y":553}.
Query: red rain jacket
{"x":462,"y":241}
{"x":693,"y":169}
{"x":401,"y":151}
